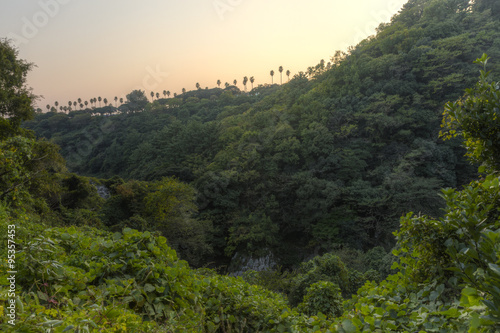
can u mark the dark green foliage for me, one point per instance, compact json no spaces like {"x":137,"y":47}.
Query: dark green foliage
{"x":322,"y":297}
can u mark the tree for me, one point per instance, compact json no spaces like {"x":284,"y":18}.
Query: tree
{"x":288,"y":74}
{"x":218,"y":83}
{"x":15,"y":96}
{"x":226,"y":84}
{"x":280,"y":69}
{"x":198,"y":86}
{"x":116,"y":100}
{"x":252,"y":80}
{"x":272,"y":76}
{"x":235,"y":82}
{"x":245,"y":81}
{"x":48,"y":107}
{"x":164,"y":93}
{"x":475,"y":118}
{"x":183,"y":90}
{"x":168,"y":93}
{"x":157,"y":95}
{"x":105,"y":100}
{"x":86,"y":103}
{"x":99,"y":99}
{"x":152,"y":96}
{"x":121,"y":100}
{"x":136,"y":100}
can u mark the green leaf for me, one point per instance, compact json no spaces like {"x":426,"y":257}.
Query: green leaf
{"x":348,"y":326}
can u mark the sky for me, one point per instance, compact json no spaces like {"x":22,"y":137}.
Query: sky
{"x":107,"y":48}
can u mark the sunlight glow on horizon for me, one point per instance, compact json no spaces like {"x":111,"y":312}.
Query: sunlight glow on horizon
{"x":90,"y":48}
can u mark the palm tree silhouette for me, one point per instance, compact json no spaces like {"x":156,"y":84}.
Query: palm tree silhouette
{"x":121,"y":100}
{"x":183,"y":90}
{"x":252,"y":80}
{"x":48,"y":107}
{"x":245,"y":81}
{"x":168,"y":93}
{"x":99,"y":99}
{"x":218,"y":83}
{"x":157,"y":95}
{"x":281,"y":74}
{"x":116,"y":101}
{"x":152,"y":96}
{"x":272,"y":75}
{"x":235,"y":82}
{"x":198,"y":86}
{"x":288,"y":74}
{"x":86,"y":103}
{"x":105,"y":101}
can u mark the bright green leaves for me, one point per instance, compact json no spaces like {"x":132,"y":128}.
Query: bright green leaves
{"x":476,"y":117}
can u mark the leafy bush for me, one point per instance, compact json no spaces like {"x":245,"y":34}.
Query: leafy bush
{"x":324,"y":297}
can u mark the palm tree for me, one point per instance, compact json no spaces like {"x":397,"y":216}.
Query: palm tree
{"x":281,"y":74}
{"x":175,"y":95}
{"x":74,"y":104}
{"x":272,"y":74}
{"x":121,"y":100}
{"x":288,"y":74}
{"x":56,"y":104}
{"x":61,"y":108}
{"x":245,"y":81}
{"x":183,"y":90}
{"x":86,"y":103}
{"x":218,"y":83}
{"x":152,"y":96}
{"x":164,"y":93}
{"x":235,"y":82}
{"x":48,"y":107}
{"x":81,"y":106}
{"x":105,"y":101}
{"x":157,"y":96}
{"x":116,"y":100}
{"x":168,"y":93}
{"x":99,"y":99}
{"x":252,"y":80}
{"x":79,"y":101}
{"x":226,"y":84}
{"x":198,"y":86}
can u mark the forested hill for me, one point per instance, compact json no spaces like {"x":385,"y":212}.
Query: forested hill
{"x":316,"y":170}
{"x":332,"y":158}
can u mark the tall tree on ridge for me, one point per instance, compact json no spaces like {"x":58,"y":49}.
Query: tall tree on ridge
{"x":157,"y":96}
{"x":183,"y":90}
{"x":99,"y":99}
{"x":252,"y":80}
{"x":218,"y":83}
{"x":198,"y":86}
{"x":245,"y":81}
{"x":152,"y":96}
{"x":272,"y":76}
{"x":164,"y":93}
{"x":235,"y":82}
{"x":288,"y":74}
{"x":280,"y":69}
{"x":116,"y":101}
{"x":168,"y":93}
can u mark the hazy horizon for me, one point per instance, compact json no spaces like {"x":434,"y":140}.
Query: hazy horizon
{"x":86,"y":49}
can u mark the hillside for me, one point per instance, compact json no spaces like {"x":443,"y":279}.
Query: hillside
{"x":335,"y":177}
{"x":329,"y":160}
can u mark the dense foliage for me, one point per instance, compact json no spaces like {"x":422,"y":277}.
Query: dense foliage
{"x":329,"y":160}
{"x":322,"y":165}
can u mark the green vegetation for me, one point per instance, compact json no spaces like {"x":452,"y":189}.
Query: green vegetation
{"x":324,"y":169}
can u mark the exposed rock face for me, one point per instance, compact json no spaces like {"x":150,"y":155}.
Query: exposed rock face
{"x":241,"y":263}
{"x":103,"y":191}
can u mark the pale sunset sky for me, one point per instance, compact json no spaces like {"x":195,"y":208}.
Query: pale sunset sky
{"x":91,"y":48}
